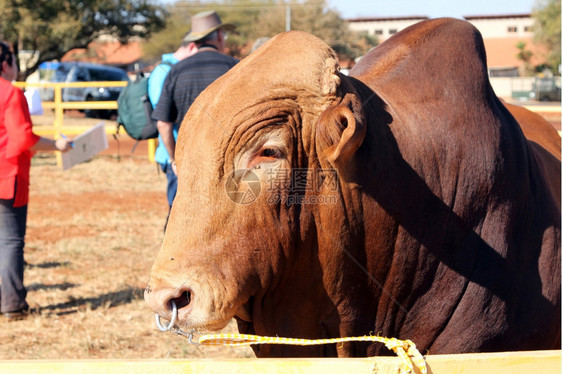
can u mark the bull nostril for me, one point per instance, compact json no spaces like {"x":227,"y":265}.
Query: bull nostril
{"x":183,"y":300}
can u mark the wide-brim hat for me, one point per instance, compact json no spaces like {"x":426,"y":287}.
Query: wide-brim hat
{"x":204,"y":23}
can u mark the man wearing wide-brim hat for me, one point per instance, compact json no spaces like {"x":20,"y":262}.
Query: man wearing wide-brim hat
{"x":204,"y":23}
{"x":189,"y":77}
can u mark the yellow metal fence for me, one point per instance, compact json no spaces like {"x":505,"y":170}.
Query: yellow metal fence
{"x":548,"y":362}
{"x":59,"y":106}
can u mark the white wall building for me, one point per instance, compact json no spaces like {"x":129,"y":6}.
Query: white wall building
{"x":498,"y":26}
{"x":504,"y":26}
{"x":501,"y":33}
{"x":383,"y":28}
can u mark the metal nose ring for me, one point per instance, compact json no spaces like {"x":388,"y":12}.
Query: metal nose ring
{"x":172,"y":321}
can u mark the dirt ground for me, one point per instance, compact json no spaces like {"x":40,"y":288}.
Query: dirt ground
{"x":93,"y":232}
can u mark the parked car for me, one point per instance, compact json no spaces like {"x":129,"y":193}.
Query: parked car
{"x":85,"y":72}
{"x":546,"y":89}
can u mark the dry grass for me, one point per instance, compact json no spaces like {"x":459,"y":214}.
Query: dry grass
{"x":93,"y":232}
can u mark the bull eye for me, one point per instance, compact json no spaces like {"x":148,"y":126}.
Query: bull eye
{"x":270,"y":153}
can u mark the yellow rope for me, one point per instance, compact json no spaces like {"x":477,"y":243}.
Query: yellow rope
{"x":405,"y":349}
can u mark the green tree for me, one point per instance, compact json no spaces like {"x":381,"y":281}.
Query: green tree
{"x":314,"y":17}
{"x":547,"y":30}
{"x":242,"y":13}
{"x":262,"y":18}
{"x":50,"y":28}
{"x":525,"y":56}
{"x":167,"y":39}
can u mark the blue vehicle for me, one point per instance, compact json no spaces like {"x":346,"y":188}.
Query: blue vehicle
{"x":84,"y":72}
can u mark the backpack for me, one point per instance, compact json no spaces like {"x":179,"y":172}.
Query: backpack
{"x":134,"y":110}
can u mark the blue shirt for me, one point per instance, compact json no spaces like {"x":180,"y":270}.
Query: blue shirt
{"x":155,"y":84}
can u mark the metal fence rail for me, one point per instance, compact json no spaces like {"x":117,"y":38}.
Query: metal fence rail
{"x":59,"y":106}
{"x":470,"y":363}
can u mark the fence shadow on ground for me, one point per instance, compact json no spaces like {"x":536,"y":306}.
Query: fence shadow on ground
{"x":61,"y":286}
{"x":47,"y":265}
{"x":106,"y":301}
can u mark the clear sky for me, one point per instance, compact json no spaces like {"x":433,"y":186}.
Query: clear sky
{"x":429,"y":8}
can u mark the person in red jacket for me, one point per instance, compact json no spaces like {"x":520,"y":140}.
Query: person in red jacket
{"x":17,"y":146}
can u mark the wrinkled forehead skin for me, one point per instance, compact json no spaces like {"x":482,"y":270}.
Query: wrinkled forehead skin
{"x":294,"y":65}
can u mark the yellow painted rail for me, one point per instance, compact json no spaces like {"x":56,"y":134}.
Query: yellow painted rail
{"x":543,"y":108}
{"x":543,"y":362}
{"x":59,"y":106}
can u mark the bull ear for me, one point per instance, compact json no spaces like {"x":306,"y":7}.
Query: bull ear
{"x":339,"y":134}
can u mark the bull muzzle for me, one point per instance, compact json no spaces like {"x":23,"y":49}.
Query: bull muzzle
{"x":168,"y":303}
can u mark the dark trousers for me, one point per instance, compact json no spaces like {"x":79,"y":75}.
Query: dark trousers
{"x":171,"y":189}
{"x":172,"y":182}
{"x":13,"y":223}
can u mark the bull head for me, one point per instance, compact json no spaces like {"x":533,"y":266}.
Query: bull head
{"x":259,"y":153}
{"x":307,"y":206}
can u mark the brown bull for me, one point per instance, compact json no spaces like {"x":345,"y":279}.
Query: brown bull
{"x":403,"y":200}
